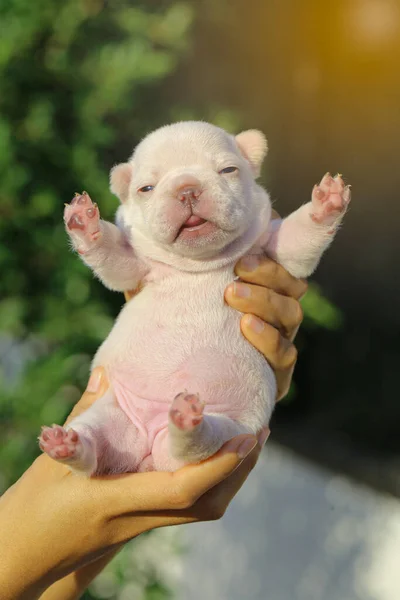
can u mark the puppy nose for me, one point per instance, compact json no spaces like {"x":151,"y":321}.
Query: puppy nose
{"x":188,"y":193}
{"x":187,"y":188}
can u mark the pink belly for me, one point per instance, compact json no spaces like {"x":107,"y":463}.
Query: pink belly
{"x":145,"y":394}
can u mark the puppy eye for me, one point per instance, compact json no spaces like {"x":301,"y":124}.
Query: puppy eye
{"x":146,"y":188}
{"x":228,"y":170}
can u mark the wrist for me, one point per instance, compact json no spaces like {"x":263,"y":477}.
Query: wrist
{"x":21,"y":578}
{"x":20,"y":582}
{"x":34,"y":554}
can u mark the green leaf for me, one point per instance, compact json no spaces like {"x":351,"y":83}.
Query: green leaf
{"x":319,"y":311}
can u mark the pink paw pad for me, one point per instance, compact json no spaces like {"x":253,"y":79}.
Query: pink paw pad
{"x":186,"y":411}
{"x":82,"y":217}
{"x":59,"y":443}
{"x":330,"y":199}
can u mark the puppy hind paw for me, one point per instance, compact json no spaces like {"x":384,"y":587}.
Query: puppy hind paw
{"x":186,"y":411}
{"x":59,"y":443}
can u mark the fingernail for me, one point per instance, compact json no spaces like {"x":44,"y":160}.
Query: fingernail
{"x":94,"y":381}
{"x":246,"y":447}
{"x":255,"y":323}
{"x":241,"y":290}
{"x":249,"y":263}
{"x":242,"y":447}
{"x":264,"y":435}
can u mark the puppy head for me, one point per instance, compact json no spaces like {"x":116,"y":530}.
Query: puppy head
{"x":190,"y":187}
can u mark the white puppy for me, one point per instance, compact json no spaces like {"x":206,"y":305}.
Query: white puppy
{"x":183,"y":379}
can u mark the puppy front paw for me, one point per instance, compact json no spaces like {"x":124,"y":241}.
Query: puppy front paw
{"x":330,"y":200}
{"x":82,"y":221}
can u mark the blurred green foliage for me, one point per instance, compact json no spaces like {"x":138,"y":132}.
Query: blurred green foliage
{"x":319,"y":311}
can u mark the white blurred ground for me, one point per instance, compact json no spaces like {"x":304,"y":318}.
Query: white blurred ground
{"x":295,"y":532}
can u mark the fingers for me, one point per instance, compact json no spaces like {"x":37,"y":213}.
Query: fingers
{"x":216,"y":469}
{"x":269,"y":295}
{"x":161,"y":491}
{"x":283,"y":312}
{"x":267,"y":273}
{"x":96,"y":387}
{"x":213,"y":504}
{"x":280,"y":353}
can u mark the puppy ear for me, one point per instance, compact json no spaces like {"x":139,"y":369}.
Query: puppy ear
{"x":253,"y":145}
{"x":120,"y":179}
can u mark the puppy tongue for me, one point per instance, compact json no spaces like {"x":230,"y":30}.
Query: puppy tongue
{"x":193,"y":221}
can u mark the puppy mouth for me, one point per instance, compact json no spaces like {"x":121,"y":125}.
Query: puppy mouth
{"x":195,"y":227}
{"x":193,"y":222}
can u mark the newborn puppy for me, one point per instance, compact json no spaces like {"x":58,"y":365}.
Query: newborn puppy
{"x":183,"y":379}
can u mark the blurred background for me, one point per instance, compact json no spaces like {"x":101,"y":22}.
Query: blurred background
{"x":81,"y":82}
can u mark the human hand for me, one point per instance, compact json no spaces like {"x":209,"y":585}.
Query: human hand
{"x":269,"y":296}
{"x":54,"y":522}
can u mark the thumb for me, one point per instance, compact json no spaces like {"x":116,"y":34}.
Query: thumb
{"x":157,"y":491}
{"x":97,"y":386}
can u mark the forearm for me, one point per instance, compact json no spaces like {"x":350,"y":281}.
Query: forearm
{"x":113,"y":260}
{"x":28,"y":575}
{"x":297,"y":242}
{"x":103,"y":246}
{"x":35,"y":584}
{"x":20,"y":580}
{"x":42,"y":544}
{"x":24,"y":570}
{"x":72,"y":586}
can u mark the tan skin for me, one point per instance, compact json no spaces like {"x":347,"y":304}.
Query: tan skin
{"x":59,"y":530}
